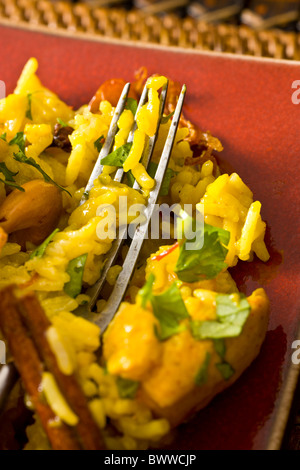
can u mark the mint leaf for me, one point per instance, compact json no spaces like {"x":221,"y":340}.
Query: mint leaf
{"x":132,"y":105}
{"x":168,"y":308}
{"x":202,"y":375}
{"x":3,"y":136}
{"x":40,"y":250}
{"x":205,"y":261}
{"x":28,"y":112}
{"x":145,"y":293}
{"x":130,"y":178}
{"x":75,"y":270}
{"x":230,"y":311}
{"x":166,"y":119}
{"x":226,"y":370}
{"x":118,"y":156}
{"x":231,"y":317}
{"x":98,"y":144}
{"x":164,"y":190}
{"x":127,"y":388}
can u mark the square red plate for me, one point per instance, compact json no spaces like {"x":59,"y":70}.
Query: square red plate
{"x":247,"y":103}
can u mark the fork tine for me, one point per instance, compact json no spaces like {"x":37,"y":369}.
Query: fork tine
{"x":8,"y":377}
{"x":123,"y":279}
{"x":94,"y":291}
{"x":108,"y":142}
{"x":120,"y":172}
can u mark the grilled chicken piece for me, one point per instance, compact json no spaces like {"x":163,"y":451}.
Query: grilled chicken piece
{"x":167,"y":369}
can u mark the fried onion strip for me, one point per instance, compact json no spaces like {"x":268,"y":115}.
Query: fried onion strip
{"x":37,"y":323}
{"x":30,"y":368}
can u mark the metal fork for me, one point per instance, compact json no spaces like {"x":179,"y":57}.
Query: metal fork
{"x":8,"y":373}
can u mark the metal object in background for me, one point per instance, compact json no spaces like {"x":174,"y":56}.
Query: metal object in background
{"x":265,"y":14}
{"x":214,"y":11}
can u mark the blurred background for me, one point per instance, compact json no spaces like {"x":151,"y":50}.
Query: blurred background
{"x":256,"y":13}
{"x":269,"y":28}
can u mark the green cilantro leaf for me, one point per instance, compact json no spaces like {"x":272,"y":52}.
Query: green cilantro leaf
{"x":62,"y":123}
{"x":164,"y":190}
{"x":132,"y":105}
{"x":20,"y":156}
{"x":207,"y":259}
{"x":9,"y":177}
{"x":3,"y":136}
{"x":231,"y":317}
{"x":19,"y":140}
{"x":118,"y":156}
{"x":166,"y":119}
{"x":127,"y":388}
{"x":28,"y":112}
{"x":40,"y":250}
{"x":98,"y":144}
{"x":7,"y":173}
{"x":13,"y":185}
{"x":220,"y":347}
{"x":225,"y":369}
{"x":168,"y":308}
{"x":75,"y":270}
{"x":202,"y":375}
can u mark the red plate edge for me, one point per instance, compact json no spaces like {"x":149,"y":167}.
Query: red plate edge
{"x":257,"y":94}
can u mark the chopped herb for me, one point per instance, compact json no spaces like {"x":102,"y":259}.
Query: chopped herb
{"x":20,"y":156}
{"x":164,"y":190}
{"x":207,"y":258}
{"x":118,"y":156}
{"x":202,"y":375}
{"x":7,"y":173}
{"x":226,"y":370}
{"x":98,"y":144}
{"x":127,"y":388}
{"x":3,"y":136}
{"x":75,"y":270}
{"x":145,"y":293}
{"x":9,"y":177}
{"x":168,"y":308}
{"x":220,"y":347}
{"x":28,"y":112}
{"x":40,"y":250}
{"x":130,"y":178}
{"x":166,"y":119}
{"x":19,"y":140}
{"x":132,"y":105}
{"x":231,"y":317}
{"x":223,"y":367}
{"x":13,"y":185}
{"x":62,"y":123}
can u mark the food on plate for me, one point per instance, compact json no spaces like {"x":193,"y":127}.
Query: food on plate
{"x":184,"y":332}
